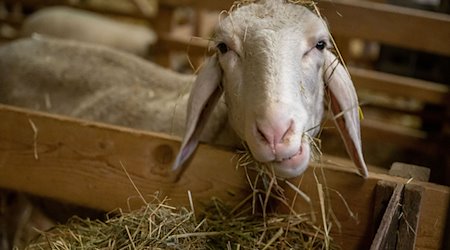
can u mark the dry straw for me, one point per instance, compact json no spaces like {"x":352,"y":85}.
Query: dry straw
{"x":252,"y":224}
{"x":160,"y":226}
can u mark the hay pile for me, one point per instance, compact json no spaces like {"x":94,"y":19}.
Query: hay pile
{"x":249,"y":225}
{"x":159,"y":226}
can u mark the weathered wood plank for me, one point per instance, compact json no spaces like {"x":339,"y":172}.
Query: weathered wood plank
{"x":386,"y":236}
{"x":409,"y":171}
{"x":360,"y":195}
{"x":411,"y":208}
{"x":383,"y":194}
{"x":79,"y":162}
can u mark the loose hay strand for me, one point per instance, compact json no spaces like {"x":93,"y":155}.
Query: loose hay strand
{"x":35,"y":137}
{"x":191,"y":203}
{"x":305,"y":198}
{"x":132,"y":182}
{"x":324,"y":218}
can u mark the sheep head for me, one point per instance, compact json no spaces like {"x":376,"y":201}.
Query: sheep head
{"x":272,"y":65}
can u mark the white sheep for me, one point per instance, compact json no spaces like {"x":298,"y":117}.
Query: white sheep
{"x":272,"y":68}
{"x":273,"y":64}
{"x":80,"y":25}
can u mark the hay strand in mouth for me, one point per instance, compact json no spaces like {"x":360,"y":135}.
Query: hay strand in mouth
{"x":265,"y":184}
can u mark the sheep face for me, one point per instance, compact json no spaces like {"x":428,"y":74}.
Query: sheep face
{"x":272,"y":80}
{"x":270,"y":64}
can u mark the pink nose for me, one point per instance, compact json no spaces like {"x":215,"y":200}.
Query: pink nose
{"x":275,"y":132}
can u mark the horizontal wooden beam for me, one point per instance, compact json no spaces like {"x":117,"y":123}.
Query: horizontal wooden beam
{"x":81,"y":162}
{"x":190,"y":45}
{"x":390,"y":133}
{"x":378,"y":131}
{"x":390,"y":24}
{"x":395,"y":85}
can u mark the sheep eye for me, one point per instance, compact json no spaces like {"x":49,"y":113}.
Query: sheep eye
{"x":223,"y":48}
{"x":321,"y":45}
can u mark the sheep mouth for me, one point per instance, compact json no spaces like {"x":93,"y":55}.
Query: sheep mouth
{"x":294,"y":165}
{"x":299,"y":153}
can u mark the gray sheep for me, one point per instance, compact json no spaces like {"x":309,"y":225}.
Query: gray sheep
{"x":80,"y":25}
{"x":98,"y":83}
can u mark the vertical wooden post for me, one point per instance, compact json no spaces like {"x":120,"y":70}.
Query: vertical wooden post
{"x":164,"y":25}
{"x":409,"y":219}
{"x":445,"y":139}
{"x":386,"y":236}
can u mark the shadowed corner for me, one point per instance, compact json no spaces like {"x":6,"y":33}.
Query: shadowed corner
{"x":446,"y":236}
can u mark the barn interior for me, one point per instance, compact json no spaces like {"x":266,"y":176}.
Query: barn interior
{"x":396,"y":51}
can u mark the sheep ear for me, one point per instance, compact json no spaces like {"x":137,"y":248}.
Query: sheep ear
{"x":345,"y":109}
{"x":205,"y":93}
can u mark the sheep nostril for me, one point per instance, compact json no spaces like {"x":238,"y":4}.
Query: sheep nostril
{"x":263,"y":136}
{"x":288,"y":132}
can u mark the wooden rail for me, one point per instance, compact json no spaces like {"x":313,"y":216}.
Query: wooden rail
{"x":80,"y":162}
{"x":194,"y":46}
{"x":389,"y":24}
{"x":395,"y":85}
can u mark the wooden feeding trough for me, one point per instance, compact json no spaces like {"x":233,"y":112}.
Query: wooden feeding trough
{"x":83,"y":163}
